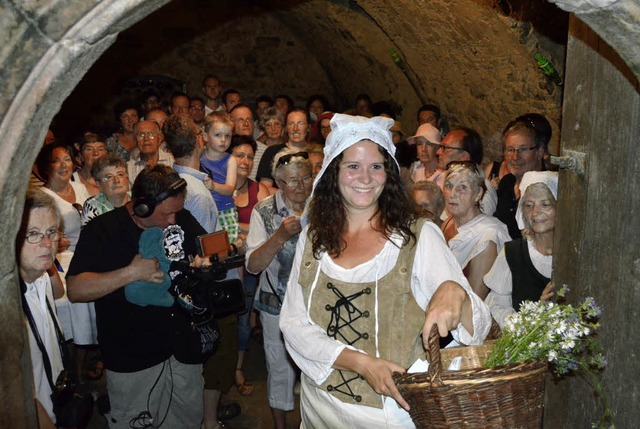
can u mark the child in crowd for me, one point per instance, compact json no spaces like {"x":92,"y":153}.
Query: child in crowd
{"x":221,"y":168}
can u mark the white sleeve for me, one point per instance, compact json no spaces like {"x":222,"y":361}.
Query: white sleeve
{"x":435,"y":264}
{"x":500,"y":283}
{"x":307,"y":343}
{"x":257,"y":236}
{"x":489,"y":201}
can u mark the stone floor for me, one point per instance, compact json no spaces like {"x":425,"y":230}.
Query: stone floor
{"x":255,"y":413}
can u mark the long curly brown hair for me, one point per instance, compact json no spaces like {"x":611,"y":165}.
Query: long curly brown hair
{"x":328,"y":215}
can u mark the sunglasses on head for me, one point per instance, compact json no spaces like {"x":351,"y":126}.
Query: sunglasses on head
{"x":466,"y":164}
{"x":286,"y":159}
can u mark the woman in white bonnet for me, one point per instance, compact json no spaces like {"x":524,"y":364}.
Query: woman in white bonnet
{"x":368,"y":280}
{"x":522,"y":271}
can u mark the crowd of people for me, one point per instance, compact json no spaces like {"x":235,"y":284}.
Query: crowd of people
{"x":357,"y":240}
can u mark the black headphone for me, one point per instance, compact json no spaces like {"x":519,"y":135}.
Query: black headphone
{"x":144,"y":207}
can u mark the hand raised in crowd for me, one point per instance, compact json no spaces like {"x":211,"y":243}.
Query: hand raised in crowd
{"x":289,"y":227}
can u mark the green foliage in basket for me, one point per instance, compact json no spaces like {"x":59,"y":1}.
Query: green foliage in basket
{"x":563,"y":335}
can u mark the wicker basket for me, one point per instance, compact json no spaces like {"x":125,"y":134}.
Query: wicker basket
{"x":474,"y":397}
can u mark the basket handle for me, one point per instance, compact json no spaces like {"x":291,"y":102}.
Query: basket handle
{"x":433,"y":355}
{"x":433,"y":351}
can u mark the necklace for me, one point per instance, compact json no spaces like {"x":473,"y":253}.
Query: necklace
{"x":66,"y":191}
{"x":429,"y":174}
{"x":237,"y":191}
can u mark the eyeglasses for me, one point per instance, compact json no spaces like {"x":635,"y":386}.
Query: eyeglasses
{"x":294,"y":183}
{"x":299,"y":124}
{"x":242,"y":120}
{"x":36,"y":237}
{"x":196,"y":108}
{"x":520,"y":151}
{"x":150,"y":135}
{"x":111,"y":177}
{"x":465,"y":164}
{"x":273,"y":124}
{"x":445,"y":147}
{"x":286,"y":159}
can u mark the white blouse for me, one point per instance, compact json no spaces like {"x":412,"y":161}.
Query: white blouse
{"x":500,"y":281}
{"x":315,"y":353}
{"x":474,"y":236}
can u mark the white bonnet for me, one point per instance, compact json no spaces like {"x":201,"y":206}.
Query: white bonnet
{"x":549,"y":178}
{"x":347,"y":130}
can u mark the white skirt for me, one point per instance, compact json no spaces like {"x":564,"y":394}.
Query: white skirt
{"x":78,"y":319}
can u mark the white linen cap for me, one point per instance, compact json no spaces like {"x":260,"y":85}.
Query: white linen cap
{"x":347,"y":130}
{"x":549,"y":178}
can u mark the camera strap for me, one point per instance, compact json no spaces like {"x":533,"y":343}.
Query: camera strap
{"x":266,"y":274}
{"x":45,"y":356}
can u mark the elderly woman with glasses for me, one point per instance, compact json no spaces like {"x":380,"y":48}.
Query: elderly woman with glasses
{"x":36,"y":244}
{"x":474,"y":237}
{"x":271,"y":244}
{"x":368,"y":283}
{"x":110,"y":173}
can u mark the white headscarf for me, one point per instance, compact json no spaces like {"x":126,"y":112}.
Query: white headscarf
{"x":347,"y":130}
{"x":548,"y":178}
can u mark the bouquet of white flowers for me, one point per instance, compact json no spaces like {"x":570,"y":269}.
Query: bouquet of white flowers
{"x":560,"y":334}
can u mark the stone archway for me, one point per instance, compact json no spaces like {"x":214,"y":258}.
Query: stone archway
{"x":49,"y":47}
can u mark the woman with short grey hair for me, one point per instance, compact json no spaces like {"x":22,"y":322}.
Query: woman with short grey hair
{"x":475,"y":238}
{"x":271,"y":244}
{"x":271,"y":123}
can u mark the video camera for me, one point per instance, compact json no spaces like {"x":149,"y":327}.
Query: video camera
{"x":205,"y":292}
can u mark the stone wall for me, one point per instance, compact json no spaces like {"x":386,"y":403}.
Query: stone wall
{"x":470,"y":58}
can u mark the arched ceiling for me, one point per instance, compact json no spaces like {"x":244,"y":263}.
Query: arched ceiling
{"x":466,"y":56}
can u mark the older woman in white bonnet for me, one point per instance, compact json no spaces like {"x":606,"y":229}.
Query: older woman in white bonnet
{"x":523,"y":269}
{"x":367,"y":281}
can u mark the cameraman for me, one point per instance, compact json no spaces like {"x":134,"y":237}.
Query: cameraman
{"x":152,"y":356}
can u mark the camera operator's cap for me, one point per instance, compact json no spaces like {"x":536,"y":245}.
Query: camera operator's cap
{"x":428,"y":132}
{"x":347,"y":130}
{"x":548,"y":178}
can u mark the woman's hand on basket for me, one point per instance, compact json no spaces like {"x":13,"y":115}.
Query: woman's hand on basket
{"x":449,"y":306}
{"x":377,"y":372}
